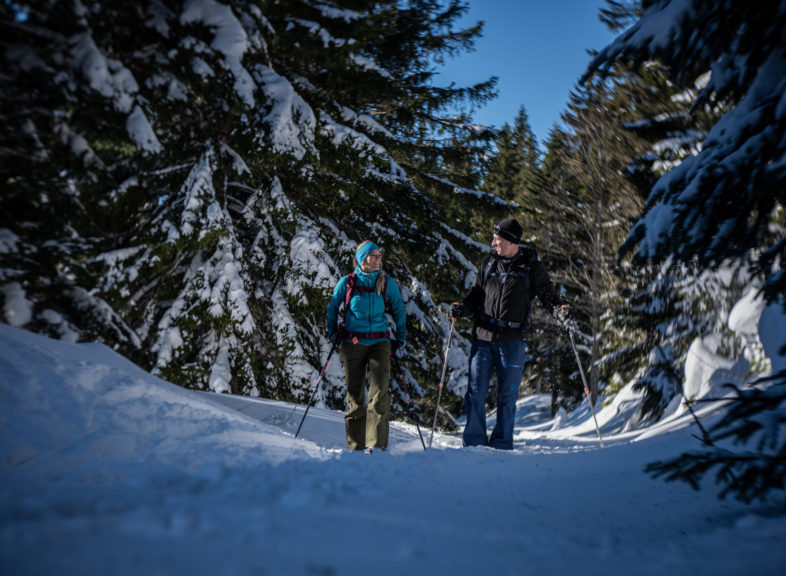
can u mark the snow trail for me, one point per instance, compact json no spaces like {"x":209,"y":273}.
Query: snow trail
{"x":107,"y":469}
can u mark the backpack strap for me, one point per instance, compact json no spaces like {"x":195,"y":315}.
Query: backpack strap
{"x":352,"y":287}
{"x":352,"y":281}
{"x":491,"y":264}
{"x":523,"y":276}
{"x":355,"y":336}
{"x":493,"y":323}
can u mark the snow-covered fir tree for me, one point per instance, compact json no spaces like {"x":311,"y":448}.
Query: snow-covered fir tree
{"x":188,"y":180}
{"x":721,"y":209}
{"x":727,"y":200}
{"x":513,"y":170}
{"x":587,"y":204}
{"x":671,"y":304}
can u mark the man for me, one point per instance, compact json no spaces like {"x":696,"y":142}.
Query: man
{"x":500,"y":301}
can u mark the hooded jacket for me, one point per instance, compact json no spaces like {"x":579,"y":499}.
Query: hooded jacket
{"x":366,"y":313}
{"x":500,"y":298}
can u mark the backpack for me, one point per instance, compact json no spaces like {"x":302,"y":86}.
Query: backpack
{"x":523,"y":277}
{"x":352,"y":288}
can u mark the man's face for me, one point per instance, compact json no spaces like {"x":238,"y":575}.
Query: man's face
{"x":504,"y":248}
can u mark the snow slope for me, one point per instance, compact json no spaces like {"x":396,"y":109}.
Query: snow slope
{"x":105,"y":469}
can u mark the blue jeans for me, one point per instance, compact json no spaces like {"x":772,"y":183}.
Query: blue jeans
{"x":506,"y":359}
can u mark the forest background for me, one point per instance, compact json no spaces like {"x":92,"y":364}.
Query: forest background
{"x":186,"y":181}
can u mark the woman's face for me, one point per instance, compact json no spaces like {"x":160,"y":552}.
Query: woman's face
{"x":373,"y":262}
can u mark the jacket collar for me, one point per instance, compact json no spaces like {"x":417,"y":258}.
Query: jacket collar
{"x":366,"y":277}
{"x":525,"y":255}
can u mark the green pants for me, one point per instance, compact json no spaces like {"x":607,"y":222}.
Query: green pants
{"x":367,"y":426}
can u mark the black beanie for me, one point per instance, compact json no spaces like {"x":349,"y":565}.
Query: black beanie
{"x":510,"y":230}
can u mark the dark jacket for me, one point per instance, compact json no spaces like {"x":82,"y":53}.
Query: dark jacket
{"x":501,"y":296}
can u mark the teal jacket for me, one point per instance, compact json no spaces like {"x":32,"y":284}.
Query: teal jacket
{"x":366,"y":313}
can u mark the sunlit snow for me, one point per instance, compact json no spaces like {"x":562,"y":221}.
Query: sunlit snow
{"x":108,"y":470}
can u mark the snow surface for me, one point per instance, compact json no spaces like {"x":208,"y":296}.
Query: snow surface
{"x":106,"y":469}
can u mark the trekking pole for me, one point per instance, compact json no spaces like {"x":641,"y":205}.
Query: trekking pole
{"x":442,"y":380}
{"x":584,"y":379}
{"x":316,"y":386}
{"x":409,"y":401}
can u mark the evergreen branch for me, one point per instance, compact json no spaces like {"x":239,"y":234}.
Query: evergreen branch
{"x":751,"y":475}
{"x":756,"y":474}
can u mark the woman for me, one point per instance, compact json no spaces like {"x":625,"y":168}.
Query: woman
{"x":366,"y":345}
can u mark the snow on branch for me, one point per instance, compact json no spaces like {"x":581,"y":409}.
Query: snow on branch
{"x":344,"y":135}
{"x":229,"y":38}
{"x":290,"y":118}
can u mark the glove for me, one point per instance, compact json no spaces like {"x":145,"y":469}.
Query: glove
{"x":564,"y":317}
{"x":396,"y":348}
{"x":457,"y":310}
{"x":337,"y":336}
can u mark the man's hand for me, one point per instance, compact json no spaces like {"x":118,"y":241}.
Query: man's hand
{"x":564,"y":317}
{"x":457,"y":310}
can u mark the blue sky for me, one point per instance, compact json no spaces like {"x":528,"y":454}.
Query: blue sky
{"x":537,"y":48}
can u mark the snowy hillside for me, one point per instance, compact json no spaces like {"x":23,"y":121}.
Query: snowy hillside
{"x":108,"y":470}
